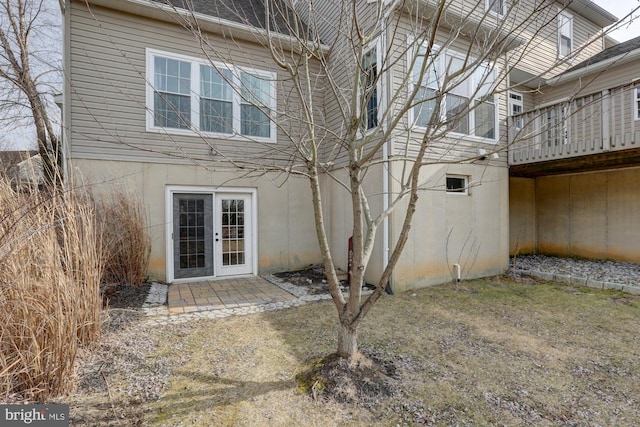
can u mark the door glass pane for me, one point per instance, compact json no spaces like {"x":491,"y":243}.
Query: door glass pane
{"x":232,"y":221}
{"x":191,"y":233}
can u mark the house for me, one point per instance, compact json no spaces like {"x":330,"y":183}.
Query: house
{"x":149,"y":104}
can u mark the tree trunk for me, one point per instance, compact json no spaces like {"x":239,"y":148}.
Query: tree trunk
{"x":347,"y":341}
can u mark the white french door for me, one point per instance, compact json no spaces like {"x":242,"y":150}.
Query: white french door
{"x":212,"y":234}
{"x":233,"y":242}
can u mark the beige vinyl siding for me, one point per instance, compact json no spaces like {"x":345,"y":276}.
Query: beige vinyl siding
{"x":533,"y":22}
{"x":108,"y":89}
{"x":539,"y":53}
{"x":613,"y":76}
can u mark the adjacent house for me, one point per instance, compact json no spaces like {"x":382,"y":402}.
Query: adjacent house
{"x":574,"y":161}
{"x":22,"y":168}
{"x":157,"y":94}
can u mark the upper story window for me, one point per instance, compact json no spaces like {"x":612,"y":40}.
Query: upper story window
{"x":216,"y":100}
{"x":468,"y":104}
{"x":369,"y":83}
{"x":565,"y":34}
{"x":186,"y":94}
{"x":496,"y":6}
{"x":172,"y":94}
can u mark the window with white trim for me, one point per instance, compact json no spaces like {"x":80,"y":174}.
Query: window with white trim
{"x":495,"y":6}
{"x":516,"y":106}
{"x":457,"y":184}
{"x":637,"y":102}
{"x":172,"y":94}
{"x":565,"y":34}
{"x":369,"y":83}
{"x":467,"y":103}
{"x":186,"y":94}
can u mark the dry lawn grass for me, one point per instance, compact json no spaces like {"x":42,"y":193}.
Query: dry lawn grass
{"x":487,"y":352}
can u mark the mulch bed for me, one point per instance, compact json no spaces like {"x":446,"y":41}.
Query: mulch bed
{"x":124,"y":296}
{"x":313,"y":279}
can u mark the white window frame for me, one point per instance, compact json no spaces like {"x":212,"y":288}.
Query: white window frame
{"x":194,"y":129}
{"x":516,"y":102}
{"x":377,"y":45}
{"x":565,"y":25}
{"x":465,"y":189}
{"x":488,"y":7}
{"x":472,"y":93}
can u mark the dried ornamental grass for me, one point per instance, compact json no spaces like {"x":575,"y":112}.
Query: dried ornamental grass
{"x":50,"y":266}
{"x":126,"y":241}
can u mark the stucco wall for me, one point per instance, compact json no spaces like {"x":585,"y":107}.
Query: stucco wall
{"x":470,"y":230}
{"x":286,"y":237}
{"x":591,"y":215}
{"x":522,"y":215}
{"x":338,"y":218}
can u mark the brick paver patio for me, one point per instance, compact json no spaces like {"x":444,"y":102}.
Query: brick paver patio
{"x":224,"y":293}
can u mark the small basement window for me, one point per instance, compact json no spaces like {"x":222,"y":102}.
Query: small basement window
{"x":457,"y":184}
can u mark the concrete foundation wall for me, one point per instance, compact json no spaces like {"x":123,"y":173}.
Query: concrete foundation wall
{"x":470,"y":230}
{"x":339,"y":218}
{"x":522,"y":215}
{"x":591,"y":215}
{"x":286,"y":234}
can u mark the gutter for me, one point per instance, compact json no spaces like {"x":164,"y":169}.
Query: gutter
{"x":167,"y":13}
{"x":603,"y":16}
{"x":595,"y":68}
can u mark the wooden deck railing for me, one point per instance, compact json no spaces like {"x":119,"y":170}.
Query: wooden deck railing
{"x":597,"y":123}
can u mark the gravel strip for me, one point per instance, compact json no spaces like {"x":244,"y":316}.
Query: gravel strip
{"x":598,"y":274}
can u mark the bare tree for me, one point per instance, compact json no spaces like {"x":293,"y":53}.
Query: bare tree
{"x":29,"y":64}
{"x":393,"y":86}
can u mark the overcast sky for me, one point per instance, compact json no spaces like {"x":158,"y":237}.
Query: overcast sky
{"x":625,"y":30}
{"x":620,"y":8}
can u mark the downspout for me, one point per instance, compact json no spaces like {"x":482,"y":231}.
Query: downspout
{"x":385,"y":155}
{"x":385,"y":206}
{"x":66,"y":91}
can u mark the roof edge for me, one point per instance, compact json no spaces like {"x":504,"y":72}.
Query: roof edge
{"x":213,"y":24}
{"x":596,"y":67}
{"x":593,"y":12}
